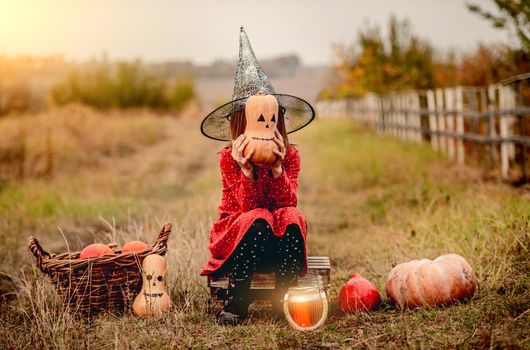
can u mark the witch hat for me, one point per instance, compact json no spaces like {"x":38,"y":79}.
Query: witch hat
{"x":250,"y":80}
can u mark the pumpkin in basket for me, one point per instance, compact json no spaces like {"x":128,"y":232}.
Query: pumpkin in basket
{"x":261,"y":113}
{"x":89,"y":287}
{"x":134,"y":246}
{"x":425,"y":282}
{"x":95,"y":250}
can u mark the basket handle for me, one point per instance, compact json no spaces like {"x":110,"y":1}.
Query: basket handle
{"x":161,"y":240}
{"x":37,"y":250}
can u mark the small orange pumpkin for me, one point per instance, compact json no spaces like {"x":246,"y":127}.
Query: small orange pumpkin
{"x":134,"y":246}
{"x":261,"y":112}
{"x":95,"y":250}
{"x":425,"y":282}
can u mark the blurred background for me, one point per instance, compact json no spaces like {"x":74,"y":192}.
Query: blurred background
{"x":162,"y":54}
{"x":178,"y":58}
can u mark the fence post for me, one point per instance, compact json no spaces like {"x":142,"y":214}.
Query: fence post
{"x":512,"y":104}
{"x":382,"y":115}
{"x":518,"y":101}
{"x":372,"y":109}
{"x":442,"y":140}
{"x":389,"y":115}
{"x":474,"y":108}
{"x":409,"y":115}
{"x":405,"y":112}
{"x":492,"y":106}
{"x":504,"y":104}
{"x":349,"y":113}
{"x":481,"y":148}
{"x":449,"y":107}
{"x":397,"y":115}
{"x":401,"y":120}
{"x":357,"y":110}
{"x":395,"y":108}
{"x":431,"y":106}
{"x":459,"y":106}
{"x":415,"y":104}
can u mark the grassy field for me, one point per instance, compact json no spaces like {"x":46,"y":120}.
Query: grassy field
{"x":370,"y":202}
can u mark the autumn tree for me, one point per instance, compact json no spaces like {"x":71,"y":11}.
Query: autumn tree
{"x":489,"y":64}
{"x":398,"y":61}
{"x":512,"y":14}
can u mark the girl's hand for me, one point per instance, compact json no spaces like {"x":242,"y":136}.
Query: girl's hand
{"x":280,"y":154}
{"x":238,"y":145}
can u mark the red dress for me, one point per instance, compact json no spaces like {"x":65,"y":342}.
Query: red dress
{"x":245,"y":200}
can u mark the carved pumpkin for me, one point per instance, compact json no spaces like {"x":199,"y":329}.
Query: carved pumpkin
{"x":261,"y":112}
{"x":426,"y":282}
{"x":358,"y":294}
{"x":153,"y":298}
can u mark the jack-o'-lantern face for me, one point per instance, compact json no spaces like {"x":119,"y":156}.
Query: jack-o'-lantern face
{"x":261,"y":112}
{"x":152,"y":298}
{"x":154,"y":278}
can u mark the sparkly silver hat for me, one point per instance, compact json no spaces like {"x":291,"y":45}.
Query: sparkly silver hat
{"x":250,"y":80}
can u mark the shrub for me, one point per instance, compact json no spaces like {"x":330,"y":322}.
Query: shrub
{"x":19,"y":97}
{"x":127,"y":85}
{"x":181,"y":93}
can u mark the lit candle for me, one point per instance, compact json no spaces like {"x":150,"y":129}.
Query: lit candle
{"x":306,"y":308}
{"x":300,"y":306}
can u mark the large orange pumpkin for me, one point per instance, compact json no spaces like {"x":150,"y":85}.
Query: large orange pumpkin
{"x":425,"y":282}
{"x":261,"y":112}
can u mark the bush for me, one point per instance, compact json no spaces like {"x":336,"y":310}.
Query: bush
{"x":128,"y":85}
{"x":19,"y":97}
{"x":181,"y":93}
{"x":400,"y":61}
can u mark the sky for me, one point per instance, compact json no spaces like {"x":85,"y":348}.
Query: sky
{"x":205,"y":30}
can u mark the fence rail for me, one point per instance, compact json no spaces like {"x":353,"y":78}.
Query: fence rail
{"x":488,"y":125}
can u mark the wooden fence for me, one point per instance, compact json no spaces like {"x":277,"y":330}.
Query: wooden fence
{"x":487,"y":125}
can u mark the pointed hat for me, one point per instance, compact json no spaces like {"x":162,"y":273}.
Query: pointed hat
{"x":250,"y":80}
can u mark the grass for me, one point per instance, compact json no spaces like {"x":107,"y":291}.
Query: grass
{"x":370,"y":202}
{"x":70,"y":138}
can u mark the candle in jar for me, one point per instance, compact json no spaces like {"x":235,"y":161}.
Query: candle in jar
{"x":306,"y":308}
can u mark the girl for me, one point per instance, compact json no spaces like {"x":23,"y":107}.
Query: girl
{"x":259,"y":227}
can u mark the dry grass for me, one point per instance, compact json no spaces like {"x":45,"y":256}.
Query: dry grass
{"x":65,"y":139}
{"x":370,"y":202}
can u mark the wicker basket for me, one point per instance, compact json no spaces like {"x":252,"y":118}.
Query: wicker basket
{"x":95,"y":285}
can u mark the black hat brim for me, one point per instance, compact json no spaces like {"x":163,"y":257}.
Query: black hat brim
{"x":298,"y":113}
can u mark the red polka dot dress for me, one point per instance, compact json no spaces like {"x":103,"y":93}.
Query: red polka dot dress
{"x":245,"y":200}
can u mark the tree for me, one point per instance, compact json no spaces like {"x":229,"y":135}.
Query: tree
{"x":513,"y":14}
{"x":490,"y":64}
{"x":380,"y":64}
